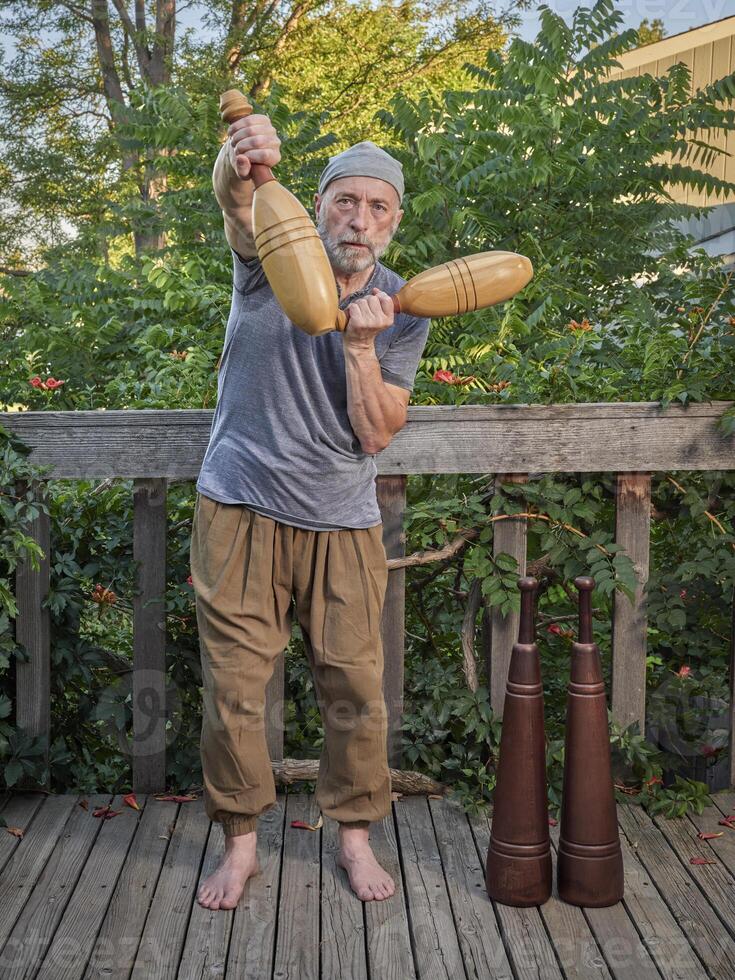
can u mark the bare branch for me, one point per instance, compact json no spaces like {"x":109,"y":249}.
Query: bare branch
{"x":133,"y":33}
{"x":469,"y":666}
{"x":5,"y":271}
{"x":105,"y":54}
{"x":77,"y":11}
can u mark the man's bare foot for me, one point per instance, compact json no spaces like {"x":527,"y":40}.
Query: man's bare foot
{"x":223,"y":888}
{"x":368,"y":880}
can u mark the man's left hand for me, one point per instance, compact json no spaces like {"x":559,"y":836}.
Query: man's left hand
{"x":368,"y":317}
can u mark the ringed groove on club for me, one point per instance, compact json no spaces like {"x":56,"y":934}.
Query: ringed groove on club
{"x":468,"y":279}
{"x":456,"y":283}
{"x":289,"y":241}
{"x":279,"y":227}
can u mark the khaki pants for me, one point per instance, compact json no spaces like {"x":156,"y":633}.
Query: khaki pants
{"x":246,"y":570}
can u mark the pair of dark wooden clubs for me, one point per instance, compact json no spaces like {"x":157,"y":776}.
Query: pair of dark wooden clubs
{"x":518,"y":869}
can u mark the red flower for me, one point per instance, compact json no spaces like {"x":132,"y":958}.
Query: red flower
{"x":708,"y":751}
{"x":684,"y":671}
{"x":102,"y":595}
{"x":50,"y":384}
{"x":683,"y":594}
{"x":653,"y":780}
{"x":189,"y":581}
{"x":554,"y":628}
{"x":446,"y":376}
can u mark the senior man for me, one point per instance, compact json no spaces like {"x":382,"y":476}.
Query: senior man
{"x":286,"y":517}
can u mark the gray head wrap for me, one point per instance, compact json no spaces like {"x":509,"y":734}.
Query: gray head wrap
{"x":364,"y":159}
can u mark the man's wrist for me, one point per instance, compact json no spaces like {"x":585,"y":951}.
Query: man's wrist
{"x":359,"y":350}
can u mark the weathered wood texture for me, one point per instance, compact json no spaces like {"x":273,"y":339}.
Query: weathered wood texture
{"x":509,"y":537}
{"x":630,"y":623}
{"x":33,"y":632}
{"x":391,"y":494}
{"x":154,"y":447}
{"x":575,"y":438}
{"x":82,"y":897}
{"x":150,"y":710}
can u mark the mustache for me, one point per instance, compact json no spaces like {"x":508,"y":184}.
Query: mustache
{"x":356,"y":240}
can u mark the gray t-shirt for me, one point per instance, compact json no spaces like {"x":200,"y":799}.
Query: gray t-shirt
{"x":281,"y":441}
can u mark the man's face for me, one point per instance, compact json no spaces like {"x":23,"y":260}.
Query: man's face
{"x":356,"y":219}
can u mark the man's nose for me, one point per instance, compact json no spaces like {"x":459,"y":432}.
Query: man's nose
{"x":360,"y":218}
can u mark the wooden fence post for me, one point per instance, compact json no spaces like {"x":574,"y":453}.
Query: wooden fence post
{"x":150,"y":709}
{"x":509,"y":537}
{"x":391,"y":493}
{"x":33,"y":631}
{"x":630,"y":622}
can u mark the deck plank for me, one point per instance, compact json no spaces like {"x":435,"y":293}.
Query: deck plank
{"x":164,"y":933}
{"x":343,"y":921}
{"x":43,"y":822}
{"x":708,"y":936}
{"x":660,"y":932}
{"x":85,"y":909}
{"x":252,"y":942}
{"x":722,"y":847}
{"x":35,"y":927}
{"x":116,"y":945}
{"x":574,"y":940}
{"x":477,"y":926}
{"x":433,"y":933}
{"x":83,"y":897}
{"x":387,"y":932}
{"x":527,"y":943}
{"x":619,"y":940}
{"x":714,"y":880}
{"x":297,"y":945}
{"x":18,"y":810}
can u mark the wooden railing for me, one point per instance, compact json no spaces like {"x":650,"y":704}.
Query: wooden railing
{"x":152,"y":447}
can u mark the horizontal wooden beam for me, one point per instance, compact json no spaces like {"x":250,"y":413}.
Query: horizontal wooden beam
{"x":585,"y":437}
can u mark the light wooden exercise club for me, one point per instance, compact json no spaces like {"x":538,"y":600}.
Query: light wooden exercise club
{"x":297,"y":267}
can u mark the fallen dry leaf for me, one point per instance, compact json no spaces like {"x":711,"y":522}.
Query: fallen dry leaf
{"x":15,"y":831}
{"x":300,"y":825}
{"x":435,"y":796}
{"x":106,"y":813}
{"x":699,"y":860}
{"x":84,"y":804}
{"x":395,"y":797}
{"x":131,"y":801}
{"x":705,"y":836}
{"x":176,"y":799}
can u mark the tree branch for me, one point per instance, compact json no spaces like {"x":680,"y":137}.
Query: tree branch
{"x":133,"y":34}
{"x":5,"y":271}
{"x":106,"y":56}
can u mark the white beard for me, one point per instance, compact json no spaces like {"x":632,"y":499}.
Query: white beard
{"x":351,"y":260}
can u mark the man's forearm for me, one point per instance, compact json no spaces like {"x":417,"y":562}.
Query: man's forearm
{"x":235,"y":197}
{"x":374,"y":413}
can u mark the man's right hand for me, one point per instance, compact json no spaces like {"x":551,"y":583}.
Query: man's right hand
{"x":253,"y":140}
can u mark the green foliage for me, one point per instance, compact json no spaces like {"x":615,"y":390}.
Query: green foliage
{"x":685,"y":796}
{"x":534,"y":150}
{"x":650,"y":32}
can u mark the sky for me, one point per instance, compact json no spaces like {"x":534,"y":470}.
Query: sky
{"x":677,"y":15}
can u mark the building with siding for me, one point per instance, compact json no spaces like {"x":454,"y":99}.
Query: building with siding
{"x":709,"y":53}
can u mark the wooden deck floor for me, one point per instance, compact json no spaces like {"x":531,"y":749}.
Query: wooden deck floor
{"x":85,"y":897}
